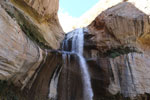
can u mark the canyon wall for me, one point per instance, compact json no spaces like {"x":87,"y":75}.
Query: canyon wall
{"x":117,"y":45}
{"x":19,"y":56}
{"x":116,"y":49}
{"x":38,"y":19}
{"x":28,"y":27}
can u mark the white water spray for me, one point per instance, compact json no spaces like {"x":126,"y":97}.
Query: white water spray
{"x":77,"y":47}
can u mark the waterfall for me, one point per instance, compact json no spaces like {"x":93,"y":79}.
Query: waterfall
{"x":77,"y":37}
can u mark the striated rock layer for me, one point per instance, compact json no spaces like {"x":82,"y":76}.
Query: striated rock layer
{"x":24,"y":30}
{"x":19,"y":56}
{"x":118,"y":46}
{"x":38,"y":19}
{"x":117,"y":53}
{"x":121,"y":25}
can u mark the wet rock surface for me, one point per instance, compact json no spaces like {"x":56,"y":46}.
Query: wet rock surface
{"x":38,"y":87}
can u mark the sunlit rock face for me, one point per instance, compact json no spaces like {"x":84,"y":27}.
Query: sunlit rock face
{"x":71,"y":23}
{"x":25,"y":29}
{"x":39,"y":18}
{"x":43,"y":7}
{"x":120,"y":25}
{"x":19,"y":56}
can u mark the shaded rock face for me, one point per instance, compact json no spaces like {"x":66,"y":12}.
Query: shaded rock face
{"x":70,"y":86}
{"x":39,"y":86}
{"x":56,"y":79}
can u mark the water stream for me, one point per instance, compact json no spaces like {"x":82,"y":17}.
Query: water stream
{"x":77,"y":47}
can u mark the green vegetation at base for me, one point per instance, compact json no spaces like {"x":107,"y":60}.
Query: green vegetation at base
{"x":115,"y":52}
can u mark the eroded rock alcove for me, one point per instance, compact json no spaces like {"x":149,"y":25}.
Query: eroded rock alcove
{"x":38,"y":61}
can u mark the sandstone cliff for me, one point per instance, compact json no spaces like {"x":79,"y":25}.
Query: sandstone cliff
{"x":27,"y":28}
{"x":38,"y":18}
{"x":120,"y":34}
{"x":72,"y":23}
{"x":116,"y":50}
{"x":117,"y":53}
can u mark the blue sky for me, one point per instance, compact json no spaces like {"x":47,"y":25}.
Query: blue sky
{"x":76,"y":8}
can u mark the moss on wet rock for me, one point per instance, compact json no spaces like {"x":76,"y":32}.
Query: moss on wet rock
{"x":115,"y":52}
{"x":9,"y":92}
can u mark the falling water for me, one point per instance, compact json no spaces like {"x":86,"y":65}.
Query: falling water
{"x":77,"y":48}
